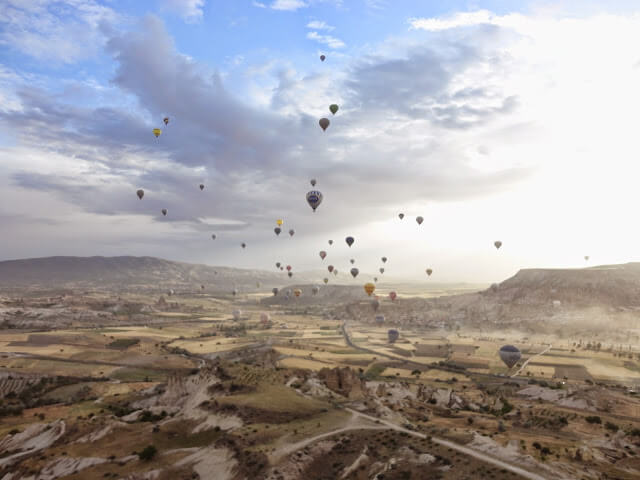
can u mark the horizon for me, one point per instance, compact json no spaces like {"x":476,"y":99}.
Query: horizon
{"x":493,"y":122}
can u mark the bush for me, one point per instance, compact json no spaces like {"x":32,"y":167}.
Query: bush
{"x":148,"y":453}
{"x":593,"y":419}
{"x":611,"y":426}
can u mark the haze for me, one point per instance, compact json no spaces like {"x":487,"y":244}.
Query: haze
{"x":509,"y":120}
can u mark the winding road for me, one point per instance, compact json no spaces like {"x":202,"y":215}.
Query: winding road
{"x":524,"y":365}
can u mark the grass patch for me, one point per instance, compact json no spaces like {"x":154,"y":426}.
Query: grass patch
{"x":124,"y":343}
{"x":374,"y":371}
{"x":127,"y":374}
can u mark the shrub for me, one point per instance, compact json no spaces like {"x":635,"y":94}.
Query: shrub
{"x":593,"y":419}
{"x":148,"y":453}
{"x":611,"y":426}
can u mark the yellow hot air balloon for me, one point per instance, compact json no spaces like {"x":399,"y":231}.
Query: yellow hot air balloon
{"x":279,"y":222}
{"x":369,"y":288}
{"x":157,"y":132}
{"x":297,"y":292}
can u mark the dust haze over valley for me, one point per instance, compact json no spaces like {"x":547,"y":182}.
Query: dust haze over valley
{"x":319,"y":240}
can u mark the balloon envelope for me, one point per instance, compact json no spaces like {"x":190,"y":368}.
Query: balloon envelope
{"x":354,"y":272}
{"x":201,"y":186}
{"x":392,"y":295}
{"x":330,"y":242}
{"x":213,"y":236}
{"x":291,"y":232}
{"x":236,"y":314}
{"x":393,"y":335}
{"x":264,"y":317}
{"x":419,"y":220}
{"x":140,"y":194}
{"x":369,"y":288}
{"x":497,"y":243}
{"x":401,"y":215}
{"x":157,"y":132}
{"x":324,"y":123}
{"x":330,"y":268}
{"x":297,"y":292}
{"x":379,"y":319}
{"x":315,"y":289}
{"x":323,"y":254}
{"x":381,"y":270}
{"x":384,"y":259}
{"x":333,"y":108}
{"x":279,"y":222}
{"x":166,"y":120}
{"x":510,"y":355}
{"x":313,"y":182}
{"x":429,"y":271}
{"x":164,"y":212}
{"x":277,"y":230}
{"x":314,"y":199}
{"x":243,"y":245}
{"x":274,"y":290}
{"x":325,"y":280}
{"x":322,"y":57}
{"x":349,"y":240}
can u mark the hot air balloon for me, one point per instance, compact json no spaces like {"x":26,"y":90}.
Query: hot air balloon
{"x":279,"y":222}
{"x":375,"y":303}
{"x":157,"y":132}
{"x":335,"y":272}
{"x":170,"y":292}
{"x":213,"y":236}
{"x":352,"y":261}
{"x":290,"y":274}
{"x":330,"y":242}
{"x":497,"y":244}
{"x":330,"y":268}
{"x":379,"y":319}
{"x":243,"y":245}
{"x":235,"y":292}
{"x":264,"y":317}
{"x":291,"y":232}
{"x":586,"y":257}
{"x":333,"y":108}
{"x":288,"y":268}
{"x":278,"y":264}
{"x":354,"y":272}
{"x":325,"y":280}
{"x":392,"y":295}
{"x":369,"y":288}
{"x":313,"y":182}
{"x":274,"y":290}
{"x":202,"y":287}
{"x":510,"y":355}
{"x":282,"y":268}
{"x":324,"y":123}
{"x":164,"y":212}
{"x":381,"y":269}
{"x":349,"y":241}
{"x":322,"y":57}
{"x":323,"y":254}
{"x":393,"y":335}
{"x":236,"y":314}
{"x":419,"y":220}
{"x":315,"y":289}
{"x":384,"y":259}
{"x":297,"y":292}
{"x":277,"y":230}
{"x":401,"y":215}
{"x":375,"y":279}
{"x":314,"y":199}
{"x":166,"y":120}
{"x":140,"y":194}
{"x":429,"y":271}
{"x":201,"y":186}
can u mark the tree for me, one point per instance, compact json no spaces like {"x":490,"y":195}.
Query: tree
{"x":148,"y":453}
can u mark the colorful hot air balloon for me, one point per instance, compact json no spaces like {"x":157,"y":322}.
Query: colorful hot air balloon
{"x":297,"y":292}
{"x":313,"y":182}
{"x":392,"y":295}
{"x":393,"y":335}
{"x":330,"y":268}
{"x":314,"y":199}
{"x":277,"y":230}
{"x":157,"y":132}
{"x":166,"y":120}
{"x":279,"y":222}
{"x":333,"y":108}
{"x":509,"y":355}
{"x":292,"y":232}
{"x":429,"y":271}
{"x":140,"y":194}
{"x":322,"y":57}
{"x":369,"y":288}
{"x":324,"y":123}
{"x":164,"y":212}
{"x":497,"y":244}
{"x":325,"y":280}
{"x":288,"y":268}
{"x":419,"y":220}
{"x":213,"y":236}
{"x":323,"y":254}
{"x":354,"y":272}
{"x":349,"y":241}
{"x":201,"y":186}
{"x":401,"y":215}
{"x":381,"y":269}
{"x":384,"y":259}
{"x":274,"y":290}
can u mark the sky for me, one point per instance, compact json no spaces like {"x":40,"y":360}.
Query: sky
{"x":493,"y":120}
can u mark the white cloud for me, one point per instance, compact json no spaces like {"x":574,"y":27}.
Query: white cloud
{"x":331,"y":42}
{"x":289,"y":5}
{"x":462,"y":19}
{"x":319,"y":25}
{"x":258,"y":4}
{"x":190,"y":10}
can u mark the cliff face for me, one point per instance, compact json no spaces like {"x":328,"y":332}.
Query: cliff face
{"x":343,"y":381}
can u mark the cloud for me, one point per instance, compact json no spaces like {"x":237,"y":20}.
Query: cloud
{"x":258,"y":4}
{"x":63,"y":31}
{"x":328,"y":40}
{"x":461,"y":19}
{"x":319,"y":25}
{"x":288,"y":5}
{"x":191,"y":11}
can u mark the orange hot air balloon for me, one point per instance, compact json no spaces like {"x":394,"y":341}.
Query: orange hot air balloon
{"x":369,"y":288}
{"x":392,"y":295}
{"x":297,"y":292}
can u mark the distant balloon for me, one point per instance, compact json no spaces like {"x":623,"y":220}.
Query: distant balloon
{"x":381,"y":269}
{"x":236,"y":314}
{"x":369,"y":288}
{"x":330,"y":268}
{"x":375,"y":279}
{"x":202,"y":287}
{"x":288,"y":268}
{"x":354,"y":272}
{"x":279,"y":222}
{"x":384,"y":259}
{"x":315,"y":289}
{"x":497,"y":243}
{"x":314,"y":199}
{"x":292,"y":232}
{"x":352,"y":261}
{"x":166,"y":120}
{"x":164,"y":212}
{"x":201,"y":186}
{"x":324,"y":123}
{"x":157,"y":132}
{"x":213,"y":236}
{"x":297,"y":292}
{"x":419,"y":220}
{"x":429,"y":271}
{"x":313,"y":182}
{"x":140,"y":194}
{"x":274,"y":290}
{"x":330,"y":242}
{"x":264,"y":317}
{"x":278,"y":264}
{"x":277,"y":230}
{"x":333,"y":108}
{"x":323,"y":254}
{"x":349,"y":241}
{"x":282,"y":268}
{"x":392,"y":295}
{"x":393,"y":335}
{"x":322,"y":57}
{"x":335,"y":272}
{"x":235,"y":292}
{"x":243,"y":245}
{"x":325,"y":280}
{"x":401,"y":215}
{"x":379,"y":319}
{"x":170,"y":292}
{"x":290,"y":274}
{"x":586,"y":257}
{"x":509,"y":355}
